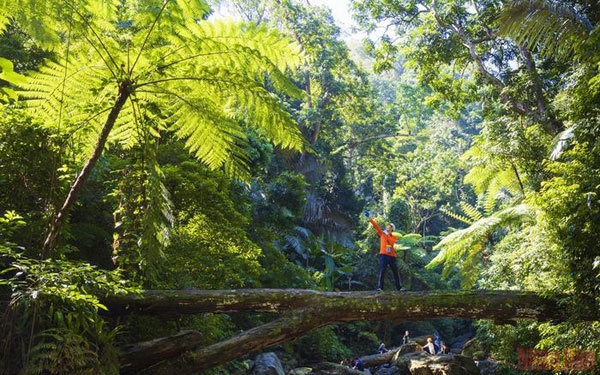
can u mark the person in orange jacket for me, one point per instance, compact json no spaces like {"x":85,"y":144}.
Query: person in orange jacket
{"x":387,"y":255}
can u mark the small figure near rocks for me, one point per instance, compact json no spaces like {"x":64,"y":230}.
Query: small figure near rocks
{"x":436,"y":342}
{"x":443,"y":348}
{"x":430,"y":348}
{"x":382,"y":349}
{"x":405,"y":338}
{"x":357,"y":364}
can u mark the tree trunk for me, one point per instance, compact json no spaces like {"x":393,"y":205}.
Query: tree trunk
{"x":136,"y":357}
{"x":347,"y":306}
{"x":378,"y":359}
{"x":59,"y":218}
{"x":306,"y":310}
{"x":552,"y":125}
{"x":291,"y":326}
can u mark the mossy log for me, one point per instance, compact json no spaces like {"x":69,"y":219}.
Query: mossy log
{"x":346,"y":306}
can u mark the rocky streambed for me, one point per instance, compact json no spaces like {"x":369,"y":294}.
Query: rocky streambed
{"x":409,"y":359}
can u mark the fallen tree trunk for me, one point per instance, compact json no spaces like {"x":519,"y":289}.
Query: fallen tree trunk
{"x":136,"y":357}
{"x":378,"y":359}
{"x":306,"y":310}
{"x":381,"y":358}
{"x":276,"y":332}
{"x":347,"y":306}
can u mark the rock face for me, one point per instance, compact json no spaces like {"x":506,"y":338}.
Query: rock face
{"x":267,"y":364}
{"x":422,"y":363}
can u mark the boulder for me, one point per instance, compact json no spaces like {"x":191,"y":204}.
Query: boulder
{"x":487,"y":366}
{"x":329,"y":368}
{"x":411,"y":347}
{"x":392,"y":370}
{"x":267,"y":364}
{"x":422,"y":363}
{"x":301,"y":371}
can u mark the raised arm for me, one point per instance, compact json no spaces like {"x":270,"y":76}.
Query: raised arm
{"x":376,"y":227}
{"x":368,"y":216}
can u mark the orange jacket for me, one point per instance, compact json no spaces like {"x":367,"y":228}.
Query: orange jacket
{"x":385,"y":240}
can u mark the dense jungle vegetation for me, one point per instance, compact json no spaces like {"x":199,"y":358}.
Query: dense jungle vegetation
{"x":153,"y":144}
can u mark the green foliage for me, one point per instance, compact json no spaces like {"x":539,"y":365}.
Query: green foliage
{"x":211,"y":100}
{"x":144,"y":215}
{"x":206,"y":255}
{"x":569,"y":201}
{"x":527,"y":259}
{"x":8,"y":75}
{"x":59,"y":351}
{"x":490,"y":177}
{"x":57,"y":305}
{"x":27,"y":155}
{"x":322,"y":345}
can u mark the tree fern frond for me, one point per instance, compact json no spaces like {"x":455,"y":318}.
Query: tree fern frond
{"x":458,"y":244}
{"x":479,"y":176}
{"x":471,"y":211}
{"x":257,"y":51}
{"x":57,"y":97}
{"x":158,"y":219}
{"x":555,"y":27}
{"x":456,"y":216}
{"x":210,"y":134}
{"x":470,"y":267}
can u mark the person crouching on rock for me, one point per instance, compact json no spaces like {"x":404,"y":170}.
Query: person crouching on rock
{"x":430,"y":348}
{"x":387,"y":255}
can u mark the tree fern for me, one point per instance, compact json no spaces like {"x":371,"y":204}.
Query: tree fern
{"x":489,"y":176}
{"x":462,"y":247}
{"x":557,"y":28}
{"x":204,"y":80}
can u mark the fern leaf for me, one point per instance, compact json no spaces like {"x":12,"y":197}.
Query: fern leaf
{"x":456,"y":216}
{"x":556,"y":28}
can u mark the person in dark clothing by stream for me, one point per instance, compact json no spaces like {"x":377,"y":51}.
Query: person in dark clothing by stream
{"x":387,"y":255}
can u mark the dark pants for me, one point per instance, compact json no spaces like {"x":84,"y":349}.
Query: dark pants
{"x":384,"y":261}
